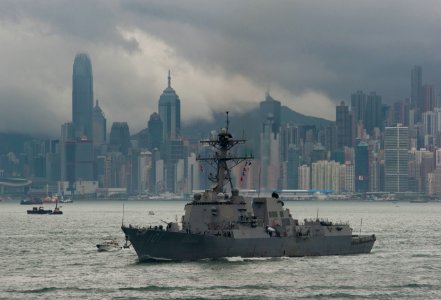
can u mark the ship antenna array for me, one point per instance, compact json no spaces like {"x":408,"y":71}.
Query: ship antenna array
{"x":219,"y":159}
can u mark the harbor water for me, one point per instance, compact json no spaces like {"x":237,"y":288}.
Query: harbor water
{"x":55,"y":256}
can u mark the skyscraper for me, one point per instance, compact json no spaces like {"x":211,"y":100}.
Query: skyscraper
{"x":154,"y":132}
{"x":82,"y":97}
{"x":293,"y":164}
{"x":99,"y":126}
{"x":373,"y":114}
{"x":416,"y":83}
{"x":170,"y":113}
{"x":358,"y":106}
{"x":120,"y":137}
{"x":271,"y":107}
{"x":361,"y":167}
{"x":429,"y":98}
{"x":396,"y":156}
{"x":344,"y":126}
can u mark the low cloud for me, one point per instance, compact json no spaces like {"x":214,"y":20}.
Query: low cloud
{"x":222,"y":55}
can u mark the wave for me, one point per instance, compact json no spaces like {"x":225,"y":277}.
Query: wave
{"x":157,"y":288}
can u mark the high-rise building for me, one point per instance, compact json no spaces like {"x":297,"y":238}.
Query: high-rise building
{"x":154,"y":132}
{"x":429,"y":101}
{"x":293,"y":163}
{"x":326,"y":175}
{"x":349,"y":182}
{"x":304,"y":177}
{"x":269,"y":156}
{"x":174,"y":151}
{"x":401,"y":113}
{"x":330,"y":139}
{"x":272,"y":107}
{"x":373,"y":114}
{"x":99,"y":126}
{"x":170,"y":113}
{"x":416,"y":83}
{"x":396,"y":144}
{"x":289,"y":136}
{"x":344,"y":126}
{"x":82,"y":97}
{"x":358,"y":106}
{"x":120,"y":137}
{"x":79,"y":161}
{"x":361,"y":167}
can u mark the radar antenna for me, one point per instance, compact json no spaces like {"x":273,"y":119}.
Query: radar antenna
{"x":222,"y":156}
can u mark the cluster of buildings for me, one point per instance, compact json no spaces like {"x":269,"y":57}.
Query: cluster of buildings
{"x":371,"y":147}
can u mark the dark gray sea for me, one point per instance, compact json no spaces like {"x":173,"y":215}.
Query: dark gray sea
{"x":55,"y":257}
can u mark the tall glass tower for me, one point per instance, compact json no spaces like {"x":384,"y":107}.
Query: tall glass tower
{"x":99,"y":126}
{"x":82,"y":97}
{"x":170,"y":113}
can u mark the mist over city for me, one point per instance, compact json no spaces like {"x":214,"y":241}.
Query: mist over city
{"x":223,"y":56}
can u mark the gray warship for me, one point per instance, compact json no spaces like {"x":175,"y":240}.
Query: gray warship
{"x":218,"y":224}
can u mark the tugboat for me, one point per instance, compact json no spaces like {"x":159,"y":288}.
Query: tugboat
{"x":220,"y":223}
{"x":57,"y":210}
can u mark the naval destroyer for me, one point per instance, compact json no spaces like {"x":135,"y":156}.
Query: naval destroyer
{"x":219,"y":224}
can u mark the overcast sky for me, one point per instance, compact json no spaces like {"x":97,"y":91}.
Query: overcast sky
{"x":222,"y":55}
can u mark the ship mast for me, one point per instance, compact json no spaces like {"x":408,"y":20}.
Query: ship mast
{"x":222,"y":156}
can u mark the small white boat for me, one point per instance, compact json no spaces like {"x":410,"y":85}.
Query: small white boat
{"x":110,"y":245}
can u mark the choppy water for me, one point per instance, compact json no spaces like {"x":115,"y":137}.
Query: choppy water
{"x":54,"y":257}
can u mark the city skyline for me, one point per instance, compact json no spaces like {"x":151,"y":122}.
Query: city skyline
{"x":217,"y":63}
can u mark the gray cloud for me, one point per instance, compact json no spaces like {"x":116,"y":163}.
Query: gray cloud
{"x":221,"y":54}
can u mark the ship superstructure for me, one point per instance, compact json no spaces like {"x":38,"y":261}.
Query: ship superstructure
{"x":218,"y":223}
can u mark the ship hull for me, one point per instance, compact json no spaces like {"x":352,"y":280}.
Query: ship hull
{"x":160,"y":244}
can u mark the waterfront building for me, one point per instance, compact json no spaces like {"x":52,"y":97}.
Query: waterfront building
{"x":141,"y":164}
{"x":304,"y":177}
{"x":174,"y":152}
{"x":361,"y":167}
{"x":192,"y":182}
{"x":349,"y":184}
{"x":79,"y":161}
{"x":118,"y":170}
{"x":396,"y":144}
{"x":293,"y":163}
{"x":434,"y":182}
{"x":82,"y":97}
{"x":421,"y":163}
{"x":326,"y":175}
{"x":438,"y":158}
